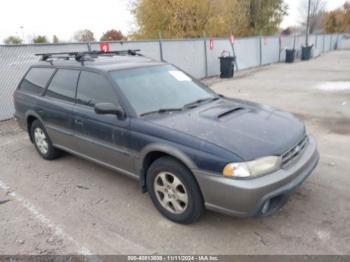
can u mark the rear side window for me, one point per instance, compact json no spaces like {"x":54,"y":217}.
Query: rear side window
{"x":94,"y":88}
{"x":36,"y":80}
{"x":63,"y":85}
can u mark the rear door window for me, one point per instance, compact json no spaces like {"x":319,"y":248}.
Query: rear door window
{"x":36,"y":80}
{"x":94,"y":88}
{"x":63,"y":85}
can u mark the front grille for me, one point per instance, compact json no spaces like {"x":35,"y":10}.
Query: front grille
{"x":292,"y":154}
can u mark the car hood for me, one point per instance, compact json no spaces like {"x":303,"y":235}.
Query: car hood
{"x":247,"y":129}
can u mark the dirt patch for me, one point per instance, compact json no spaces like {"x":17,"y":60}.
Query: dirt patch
{"x":9,"y":128}
{"x":336,"y":125}
{"x":210,"y":81}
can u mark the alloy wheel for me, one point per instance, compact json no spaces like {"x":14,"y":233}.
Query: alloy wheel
{"x":170,"y":192}
{"x":41,"y":140}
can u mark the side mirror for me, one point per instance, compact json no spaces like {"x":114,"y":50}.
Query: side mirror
{"x":109,"y":109}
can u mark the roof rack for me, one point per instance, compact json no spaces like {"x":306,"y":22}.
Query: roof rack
{"x":87,"y":56}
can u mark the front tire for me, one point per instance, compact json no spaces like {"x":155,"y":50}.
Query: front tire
{"x":174,"y":191}
{"x":42,"y":141}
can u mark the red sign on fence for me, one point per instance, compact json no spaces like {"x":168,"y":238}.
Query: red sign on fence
{"x":232,"y":39}
{"x":265,"y":40}
{"x":211,"y":43}
{"x":104,"y":47}
{"x":281,"y":38}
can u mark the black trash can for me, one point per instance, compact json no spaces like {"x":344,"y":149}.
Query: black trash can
{"x":306,"y":52}
{"x":290,"y":55}
{"x":227,"y":66}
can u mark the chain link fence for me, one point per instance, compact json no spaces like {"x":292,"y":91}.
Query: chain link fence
{"x":191,"y":55}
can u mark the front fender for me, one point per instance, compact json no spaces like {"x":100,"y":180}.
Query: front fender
{"x":162,"y":148}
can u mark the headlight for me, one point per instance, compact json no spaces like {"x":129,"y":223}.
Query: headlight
{"x":253,"y":168}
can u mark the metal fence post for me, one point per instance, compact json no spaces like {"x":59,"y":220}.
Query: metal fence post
{"x":260,"y":48}
{"x":316,"y":41}
{"x":323,"y":43}
{"x":205,"y":54}
{"x":294,"y":40}
{"x":279,"y":48}
{"x":160,"y":47}
{"x":336,"y":42}
{"x":332,"y":42}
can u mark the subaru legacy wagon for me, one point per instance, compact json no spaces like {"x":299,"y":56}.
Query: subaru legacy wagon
{"x":190,"y":148}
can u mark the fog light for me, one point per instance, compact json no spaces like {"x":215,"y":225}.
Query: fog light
{"x":265,"y":207}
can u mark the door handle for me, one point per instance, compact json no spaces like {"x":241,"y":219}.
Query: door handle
{"x":78,"y":122}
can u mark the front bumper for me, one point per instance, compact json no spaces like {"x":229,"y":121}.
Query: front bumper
{"x":259,"y":196}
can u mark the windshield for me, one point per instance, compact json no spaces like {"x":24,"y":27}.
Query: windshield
{"x":154,"y":88}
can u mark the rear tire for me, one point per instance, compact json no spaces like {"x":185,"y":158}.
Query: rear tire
{"x":42,"y":142}
{"x":174,"y":191}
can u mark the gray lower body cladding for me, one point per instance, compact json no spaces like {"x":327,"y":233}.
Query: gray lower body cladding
{"x":259,"y":196}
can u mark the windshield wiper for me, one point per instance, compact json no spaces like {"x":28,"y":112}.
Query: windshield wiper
{"x":162,"y":110}
{"x":199,"y":101}
{"x":187,"y":106}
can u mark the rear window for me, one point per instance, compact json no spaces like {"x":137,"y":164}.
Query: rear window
{"x":63,"y":85}
{"x":36,"y":80}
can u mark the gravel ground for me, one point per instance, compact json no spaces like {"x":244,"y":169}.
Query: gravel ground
{"x":72,"y":206}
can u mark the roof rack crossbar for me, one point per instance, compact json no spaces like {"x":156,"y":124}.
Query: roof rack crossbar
{"x":80,"y":56}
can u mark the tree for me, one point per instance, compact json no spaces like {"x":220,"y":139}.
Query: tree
{"x":13,"y":40}
{"x":40,"y":39}
{"x":84,"y":36}
{"x":337,"y":20}
{"x":316,"y":13}
{"x":190,"y":18}
{"x":112,"y":35}
{"x":331,"y":24}
{"x":265,"y":16}
{"x":55,"y":39}
{"x":174,"y":18}
{"x":227,"y":17}
{"x":346,"y":21}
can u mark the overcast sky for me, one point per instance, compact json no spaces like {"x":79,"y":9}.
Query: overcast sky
{"x":295,"y":6}
{"x":63,"y":17}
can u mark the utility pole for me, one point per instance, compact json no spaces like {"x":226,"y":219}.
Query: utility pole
{"x":160,"y":46}
{"x":22,"y":31}
{"x":308,"y":24}
{"x":205,"y":54}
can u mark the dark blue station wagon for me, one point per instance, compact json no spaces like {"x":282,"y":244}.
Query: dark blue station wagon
{"x":189,"y":148}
